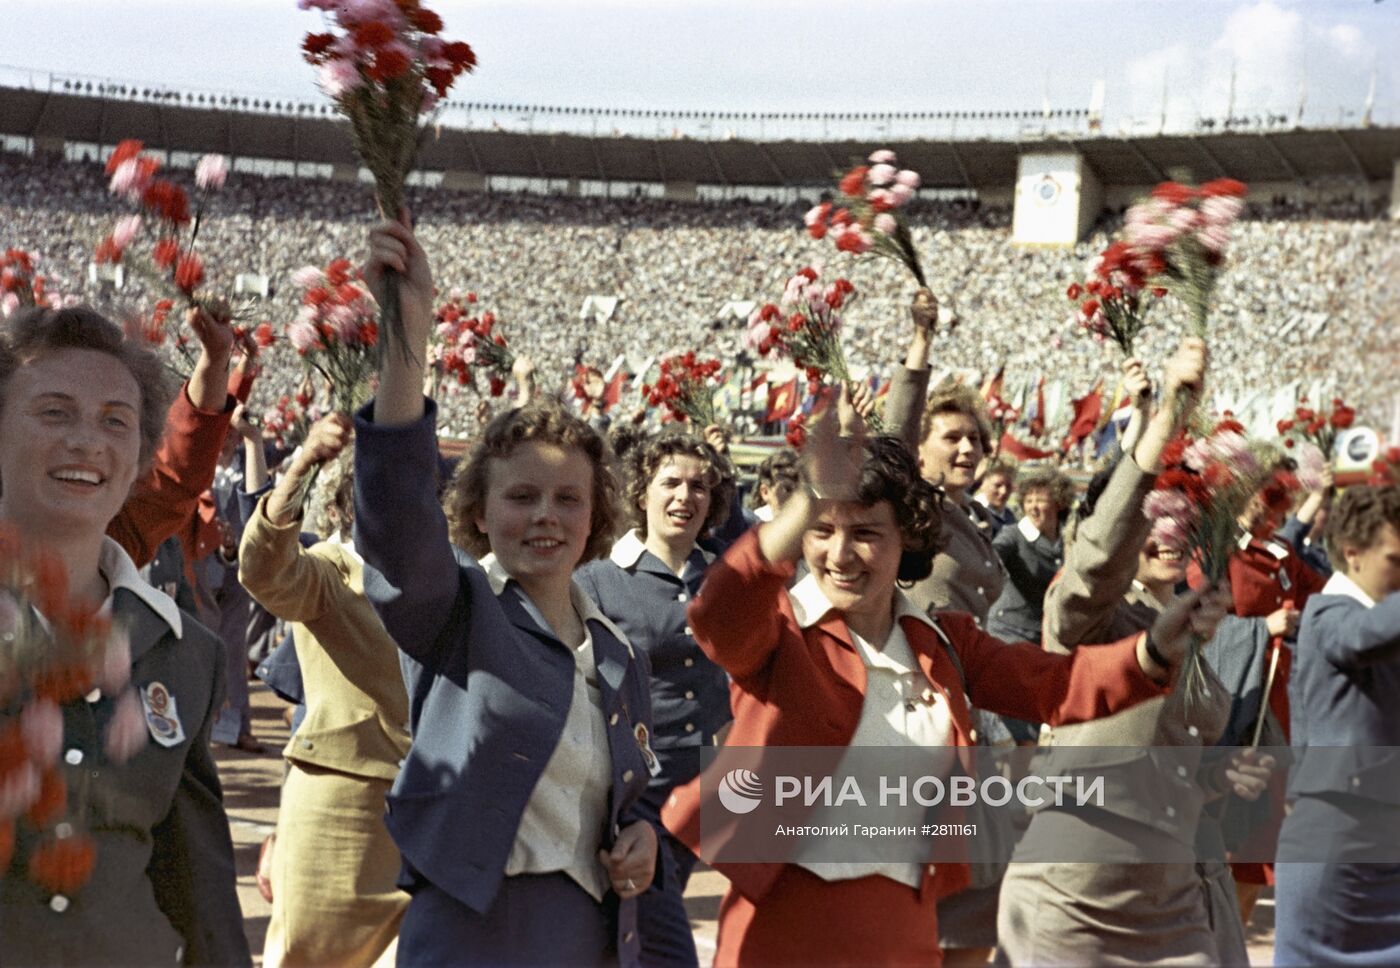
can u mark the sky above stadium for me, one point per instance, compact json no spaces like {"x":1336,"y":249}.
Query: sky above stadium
{"x":784,"y":55}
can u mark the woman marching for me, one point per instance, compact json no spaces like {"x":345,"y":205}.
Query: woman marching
{"x":844,"y":659}
{"x":81,"y":412}
{"x":517,"y":809}
{"x":678,"y":487}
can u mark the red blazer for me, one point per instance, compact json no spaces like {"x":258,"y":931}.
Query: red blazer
{"x":163,"y":501}
{"x":805,"y":687}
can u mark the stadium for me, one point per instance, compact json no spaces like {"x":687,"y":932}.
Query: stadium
{"x":614,"y":249}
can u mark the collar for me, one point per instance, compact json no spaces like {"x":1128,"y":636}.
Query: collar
{"x":1340,"y":584}
{"x":1028,"y":531}
{"x":349,"y":548}
{"x":116,"y":566}
{"x":586,"y":608}
{"x":628,"y":550}
{"x":810,"y":606}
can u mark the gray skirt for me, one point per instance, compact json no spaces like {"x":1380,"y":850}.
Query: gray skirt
{"x":1112,"y":914}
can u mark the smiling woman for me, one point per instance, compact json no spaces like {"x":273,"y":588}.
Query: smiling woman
{"x":81,"y":411}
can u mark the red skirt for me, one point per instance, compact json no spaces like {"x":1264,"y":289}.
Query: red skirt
{"x":804,"y":920}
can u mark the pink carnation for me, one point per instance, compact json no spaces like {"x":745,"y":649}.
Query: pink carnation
{"x":882,"y":157}
{"x":885,"y":223}
{"x":338,"y":78}
{"x":116,"y":663}
{"x":1149,"y":235}
{"x":1170,"y":533}
{"x":129,"y":180}
{"x":900,"y":193}
{"x":125,"y":230}
{"x":881,"y":175}
{"x":306,"y":277}
{"x":211,"y":172}
{"x":126,"y":732}
{"x":1221,"y":209}
{"x":303,"y":336}
{"x":908,"y":178}
{"x":41,"y":725}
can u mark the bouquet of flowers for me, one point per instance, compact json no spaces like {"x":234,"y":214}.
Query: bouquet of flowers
{"x":1003,"y":416}
{"x":686,"y":389}
{"x":1114,"y":303}
{"x":384,"y":65}
{"x":133,"y":178}
{"x":1385,"y":470}
{"x":467,"y":340}
{"x":288,"y":419}
{"x":42,"y":668}
{"x":868,"y":220}
{"x":21,"y":286}
{"x":1318,"y":427}
{"x":1178,"y":236}
{"x":335,"y":331}
{"x":1197,"y":501}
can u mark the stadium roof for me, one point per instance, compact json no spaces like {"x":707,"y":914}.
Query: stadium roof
{"x":1253,"y":156}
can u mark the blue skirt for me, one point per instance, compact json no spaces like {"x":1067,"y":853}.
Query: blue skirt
{"x":1340,"y":913}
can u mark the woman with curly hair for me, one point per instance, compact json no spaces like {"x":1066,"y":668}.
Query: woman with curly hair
{"x":517,"y":808}
{"x":844,"y":659}
{"x":677,"y":488}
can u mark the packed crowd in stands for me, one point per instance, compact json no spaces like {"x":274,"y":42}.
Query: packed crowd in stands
{"x":1309,"y":296}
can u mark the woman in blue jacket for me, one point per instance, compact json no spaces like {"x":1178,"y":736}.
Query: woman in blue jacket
{"x":516,"y":810}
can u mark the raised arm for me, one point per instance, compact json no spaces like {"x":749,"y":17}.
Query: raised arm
{"x":292,"y":583}
{"x":1102,"y":560}
{"x":163,"y":500}
{"x":909,"y":385}
{"x":411,"y":575}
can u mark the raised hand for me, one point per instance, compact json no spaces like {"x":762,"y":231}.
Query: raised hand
{"x":1185,"y":377}
{"x":1136,"y":383}
{"x":835,"y":449}
{"x":392,"y":245}
{"x":243,"y":425}
{"x":1195,"y":612}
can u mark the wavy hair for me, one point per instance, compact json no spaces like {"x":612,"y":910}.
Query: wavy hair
{"x":645,"y":458}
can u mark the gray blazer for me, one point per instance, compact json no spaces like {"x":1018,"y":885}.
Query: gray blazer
{"x":1031,"y":564}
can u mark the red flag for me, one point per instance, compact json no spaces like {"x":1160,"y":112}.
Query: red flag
{"x":613,"y":391}
{"x":1021,"y":451}
{"x":1038,"y":421}
{"x":1087,"y":410}
{"x":994,"y":385}
{"x":782,"y":401}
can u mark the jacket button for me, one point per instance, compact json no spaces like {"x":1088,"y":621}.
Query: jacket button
{"x":972,"y":735}
{"x":58,"y":904}
{"x":1192,"y":731}
{"x":681,"y":597}
{"x":612,"y":720}
{"x":627,"y":938}
{"x":1181,"y":771}
{"x":689,"y":663}
{"x":690,"y":727}
{"x":1171,"y":811}
{"x":1356,"y":781}
{"x":689,"y":694}
{"x":73,"y":757}
{"x":627,"y":776}
{"x":688,"y":631}
{"x":932,"y":868}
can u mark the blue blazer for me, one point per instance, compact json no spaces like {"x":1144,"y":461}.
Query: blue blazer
{"x":489,"y":684}
{"x":1343,"y":694}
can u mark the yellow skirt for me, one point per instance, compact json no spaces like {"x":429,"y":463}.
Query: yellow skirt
{"x":334,"y":900}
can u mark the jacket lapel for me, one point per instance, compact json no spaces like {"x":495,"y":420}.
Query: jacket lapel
{"x":611,"y":657}
{"x":841,"y":651}
{"x":144,"y":626}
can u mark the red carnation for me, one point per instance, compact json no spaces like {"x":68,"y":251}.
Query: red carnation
{"x":376,"y":33}
{"x":165,"y":253}
{"x":426,"y":21}
{"x":314,"y":47}
{"x":461,"y":55}
{"x":1224,"y":186}
{"x":263,"y":335}
{"x":853,"y":182}
{"x":189,"y":273}
{"x":124,"y":152}
{"x":168,"y":201}
{"x":1174,"y":193}
{"x":1074,"y":291}
{"x":63,"y":866}
{"x":1343,"y":417}
{"x":388,"y":65}
{"x":440,"y":78}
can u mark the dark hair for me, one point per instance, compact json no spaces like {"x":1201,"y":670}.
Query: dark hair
{"x":32,"y":333}
{"x":545,"y":423}
{"x":1000,"y":467}
{"x":957,"y":398}
{"x":779,"y":467}
{"x":1357,"y":519}
{"x":1050,"y":479}
{"x":890,"y":473}
{"x":645,"y":459}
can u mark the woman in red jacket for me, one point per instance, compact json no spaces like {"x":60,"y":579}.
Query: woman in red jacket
{"x":833,"y":662}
